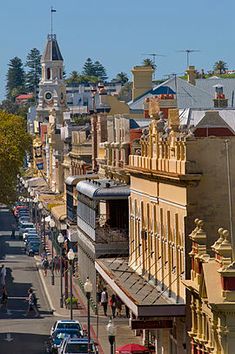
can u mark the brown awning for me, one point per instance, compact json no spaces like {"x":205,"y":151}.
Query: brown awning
{"x":59,"y":212}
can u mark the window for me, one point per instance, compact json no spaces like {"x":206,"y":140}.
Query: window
{"x":48,"y":73}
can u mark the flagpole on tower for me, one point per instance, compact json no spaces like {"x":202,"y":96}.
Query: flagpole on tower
{"x":52,"y":11}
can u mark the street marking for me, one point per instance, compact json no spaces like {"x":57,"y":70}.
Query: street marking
{"x":9,"y":338}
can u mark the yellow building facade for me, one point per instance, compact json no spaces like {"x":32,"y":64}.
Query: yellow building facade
{"x":212,"y":289}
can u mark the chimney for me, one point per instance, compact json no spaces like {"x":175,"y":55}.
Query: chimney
{"x":142,"y":80}
{"x":191,"y":75}
{"x":220,"y":101}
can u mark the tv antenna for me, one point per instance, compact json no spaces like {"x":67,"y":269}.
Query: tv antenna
{"x":154,"y":55}
{"x":188,"y":52}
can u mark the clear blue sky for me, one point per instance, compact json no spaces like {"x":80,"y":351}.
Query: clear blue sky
{"x":117,"y":32}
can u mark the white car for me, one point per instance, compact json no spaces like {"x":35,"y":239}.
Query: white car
{"x":66,"y":324}
{"x":27,"y":232}
{"x":23,"y":226}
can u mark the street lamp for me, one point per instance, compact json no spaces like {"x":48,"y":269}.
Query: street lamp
{"x":88,"y":291}
{"x":71,"y":256}
{"x":52,"y":225}
{"x":111,"y":330}
{"x":60,"y":240}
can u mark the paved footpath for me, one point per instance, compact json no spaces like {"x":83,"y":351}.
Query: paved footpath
{"x":124,"y":334}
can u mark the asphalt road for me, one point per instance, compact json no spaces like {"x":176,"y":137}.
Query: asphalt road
{"x":18,"y":334}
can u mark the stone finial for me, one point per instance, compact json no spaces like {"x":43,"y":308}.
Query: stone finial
{"x":224,"y":249}
{"x":220,"y":239}
{"x":154,"y":107}
{"x":194,"y":230}
{"x":200,"y":234}
{"x":173,"y":119}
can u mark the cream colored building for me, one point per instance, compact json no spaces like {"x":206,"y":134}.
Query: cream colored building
{"x":212,"y":289}
{"x":176,"y":177}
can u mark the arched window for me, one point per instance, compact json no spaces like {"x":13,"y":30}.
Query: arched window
{"x":61,"y":74}
{"x":48,"y":73}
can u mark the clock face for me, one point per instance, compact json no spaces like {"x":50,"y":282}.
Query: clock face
{"x":48,"y":95}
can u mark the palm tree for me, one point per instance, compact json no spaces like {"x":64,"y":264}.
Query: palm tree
{"x":122,"y":77}
{"x":149,"y":62}
{"x":74,"y":77}
{"x":220,"y":66}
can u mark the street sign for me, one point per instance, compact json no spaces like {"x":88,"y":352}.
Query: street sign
{"x":151,"y":324}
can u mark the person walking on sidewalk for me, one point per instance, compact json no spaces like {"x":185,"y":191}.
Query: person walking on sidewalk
{"x":32,"y":303}
{"x":4,"y":298}
{"x":3,"y":274}
{"x":104,"y":300}
{"x":45,"y":266}
{"x":112,"y":303}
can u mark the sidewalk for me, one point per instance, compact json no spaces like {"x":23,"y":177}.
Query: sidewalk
{"x":98,"y":323}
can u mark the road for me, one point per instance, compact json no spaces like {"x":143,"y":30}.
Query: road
{"x":18,"y":334}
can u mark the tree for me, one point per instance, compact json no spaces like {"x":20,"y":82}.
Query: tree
{"x":15,"y":141}
{"x":126,"y":92}
{"x":220,"y":66}
{"x":99,"y":71}
{"x":88,"y":68}
{"x":74,"y":78}
{"x":33,"y":63}
{"x":149,"y":62}
{"x":95,"y":69}
{"x":15,"y":78}
{"x":122,"y":77}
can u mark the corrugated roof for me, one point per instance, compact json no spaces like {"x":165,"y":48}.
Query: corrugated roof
{"x":208,"y":85}
{"x":103,"y":189}
{"x":73,"y":180}
{"x":193,"y":117}
{"x":188,"y":95}
{"x":52,"y":50}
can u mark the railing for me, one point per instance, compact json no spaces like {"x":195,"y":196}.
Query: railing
{"x":106,"y":234}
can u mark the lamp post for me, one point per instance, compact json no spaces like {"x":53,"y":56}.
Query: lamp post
{"x":111,"y":330}
{"x":36,"y":211}
{"x":52,"y":225}
{"x":40,"y":207}
{"x":88,"y":291}
{"x":71,"y":256}
{"x":60,"y":240}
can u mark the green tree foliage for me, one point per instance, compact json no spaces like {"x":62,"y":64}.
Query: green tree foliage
{"x":149,"y":62}
{"x":99,"y":71}
{"x":15,"y":141}
{"x":95,"y":69}
{"x":33,"y":63}
{"x":126,"y":92}
{"x":220,"y":67}
{"x":15,"y":78}
{"x":74,"y":78}
{"x":122,"y":77}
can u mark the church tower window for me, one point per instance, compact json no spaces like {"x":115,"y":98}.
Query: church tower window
{"x":48,"y":73}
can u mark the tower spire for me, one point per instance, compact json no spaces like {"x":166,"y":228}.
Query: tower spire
{"x":52,"y":11}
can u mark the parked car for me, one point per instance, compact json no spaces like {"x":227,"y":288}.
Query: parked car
{"x":23,"y":226}
{"x":31,"y":238}
{"x":66,"y":324}
{"x":77,"y":345}
{"x":58,"y":336}
{"x":18,"y":208}
{"x":29,"y":231}
{"x":32,"y":248}
{"x":24,"y":219}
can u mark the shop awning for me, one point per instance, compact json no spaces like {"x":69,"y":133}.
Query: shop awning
{"x":143,"y":298}
{"x":103,"y":189}
{"x":73,"y":180}
{"x":59,"y":212}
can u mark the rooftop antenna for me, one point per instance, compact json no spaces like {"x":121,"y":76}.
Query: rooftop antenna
{"x":154,"y":55}
{"x":52,"y":12}
{"x":188,"y":52}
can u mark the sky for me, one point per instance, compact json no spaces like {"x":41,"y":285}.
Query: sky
{"x":118,"y":32}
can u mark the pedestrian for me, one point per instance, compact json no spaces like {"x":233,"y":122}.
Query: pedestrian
{"x":112,"y":303}
{"x":4,"y":298}
{"x":57,"y":264}
{"x":104,"y":300}
{"x":3,"y":274}
{"x":32,"y":303}
{"x":119,"y":306}
{"x":45,"y":266}
{"x":98,"y":292}
{"x":13,"y":231}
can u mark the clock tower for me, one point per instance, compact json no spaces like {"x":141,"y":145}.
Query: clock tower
{"x":50,"y":109}
{"x":52,"y":90}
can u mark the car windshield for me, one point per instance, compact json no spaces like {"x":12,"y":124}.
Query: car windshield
{"x":25,"y":226}
{"x":65,"y":333}
{"x":69,"y":325}
{"x":78,"y":348}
